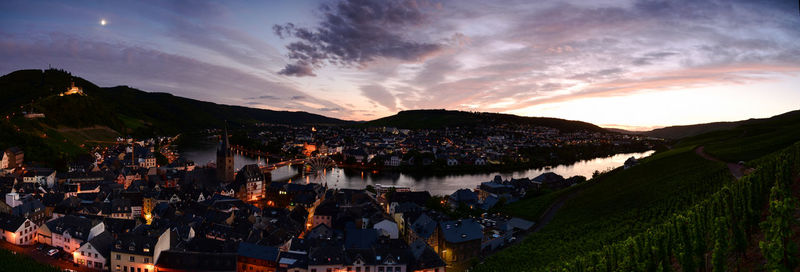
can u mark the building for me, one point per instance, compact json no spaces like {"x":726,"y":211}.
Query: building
{"x":17,"y":230}
{"x":42,"y":176}
{"x":96,"y":252}
{"x":194,"y":261}
{"x":256,"y":258}
{"x":225,"y":160}
{"x":425,"y":259}
{"x":459,"y":240}
{"x":12,"y":158}
{"x":73,"y":90}
{"x":253,"y":180}
{"x":69,"y":232}
{"x":139,"y":250}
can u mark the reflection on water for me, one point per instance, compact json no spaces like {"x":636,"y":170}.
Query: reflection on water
{"x":441,"y":184}
{"x":446,"y":184}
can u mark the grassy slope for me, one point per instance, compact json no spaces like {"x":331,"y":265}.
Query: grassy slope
{"x":751,"y":140}
{"x":533,"y":207}
{"x":617,"y":205}
{"x":18,"y":262}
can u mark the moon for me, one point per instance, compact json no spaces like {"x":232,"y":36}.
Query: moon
{"x":103,"y":22}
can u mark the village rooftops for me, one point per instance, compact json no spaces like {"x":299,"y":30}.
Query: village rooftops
{"x":260,"y":252}
{"x":459,"y":231}
{"x":10,"y":223}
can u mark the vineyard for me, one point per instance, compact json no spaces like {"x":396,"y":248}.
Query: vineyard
{"x":674,"y":212}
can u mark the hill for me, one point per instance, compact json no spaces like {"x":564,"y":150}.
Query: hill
{"x":101,"y":114}
{"x":431,"y":119}
{"x":678,"y":132}
{"x":672,"y":210}
{"x":125,"y":109}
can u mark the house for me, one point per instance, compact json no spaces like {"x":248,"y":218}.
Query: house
{"x":96,"y":252}
{"x":139,"y":250}
{"x":425,"y":259}
{"x":257,"y":258}
{"x":17,"y":230}
{"x":396,"y":198}
{"x":293,"y":261}
{"x":69,"y":232}
{"x":393,"y":161}
{"x":631,"y":162}
{"x":424,"y":228}
{"x":459,"y":240}
{"x":452,"y":162}
{"x":551,"y":181}
{"x":196,"y":261}
{"x":324,"y":214}
{"x":42,"y":176}
{"x":251,"y":177}
{"x":465,"y":197}
{"x":12,"y":158}
{"x":32,"y":209}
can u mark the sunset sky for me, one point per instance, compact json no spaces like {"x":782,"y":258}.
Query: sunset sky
{"x":629,"y":64}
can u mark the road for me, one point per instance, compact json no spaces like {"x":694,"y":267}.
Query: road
{"x":41,"y":257}
{"x":737,"y":170}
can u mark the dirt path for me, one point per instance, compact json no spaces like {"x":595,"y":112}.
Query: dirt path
{"x":551,"y":211}
{"x":737,"y":170}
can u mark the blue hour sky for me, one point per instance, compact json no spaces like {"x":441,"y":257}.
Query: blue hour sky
{"x":630,"y":64}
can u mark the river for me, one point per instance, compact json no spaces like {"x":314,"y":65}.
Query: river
{"x":438,"y":185}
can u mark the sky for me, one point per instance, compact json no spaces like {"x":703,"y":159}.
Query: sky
{"x":635,"y":64}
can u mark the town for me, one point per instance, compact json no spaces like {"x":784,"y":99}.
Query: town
{"x":487,"y":147}
{"x":136,"y":205}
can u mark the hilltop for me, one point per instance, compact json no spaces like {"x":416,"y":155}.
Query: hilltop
{"x":678,"y":132}
{"x":125,"y":109}
{"x":432,"y":119}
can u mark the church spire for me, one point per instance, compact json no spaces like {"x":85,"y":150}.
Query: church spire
{"x":225,"y":144}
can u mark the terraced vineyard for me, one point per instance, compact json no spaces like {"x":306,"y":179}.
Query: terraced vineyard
{"x":675,"y":211}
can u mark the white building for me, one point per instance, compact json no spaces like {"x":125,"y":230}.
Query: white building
{"x":96,"y":252}
{"x":17,"y":230}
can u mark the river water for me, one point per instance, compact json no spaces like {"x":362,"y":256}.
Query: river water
{"x":437,"y":185}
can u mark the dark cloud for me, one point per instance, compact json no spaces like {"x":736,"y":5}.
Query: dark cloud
{"x":329,"y":109}
{"x":299,"y":69}
{"x":298,"y":97}
{"x":262,"y":97}
{"x":354,"y":32}
{"x":649,"y":58}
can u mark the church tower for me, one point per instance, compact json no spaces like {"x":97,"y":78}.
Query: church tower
{"x":225,"y":159}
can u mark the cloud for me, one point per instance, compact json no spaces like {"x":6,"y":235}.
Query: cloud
{"x":380,"y":95}
{"x":355,"y":32}
{"x":262,"y":97}
{"x":300,"y":69}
